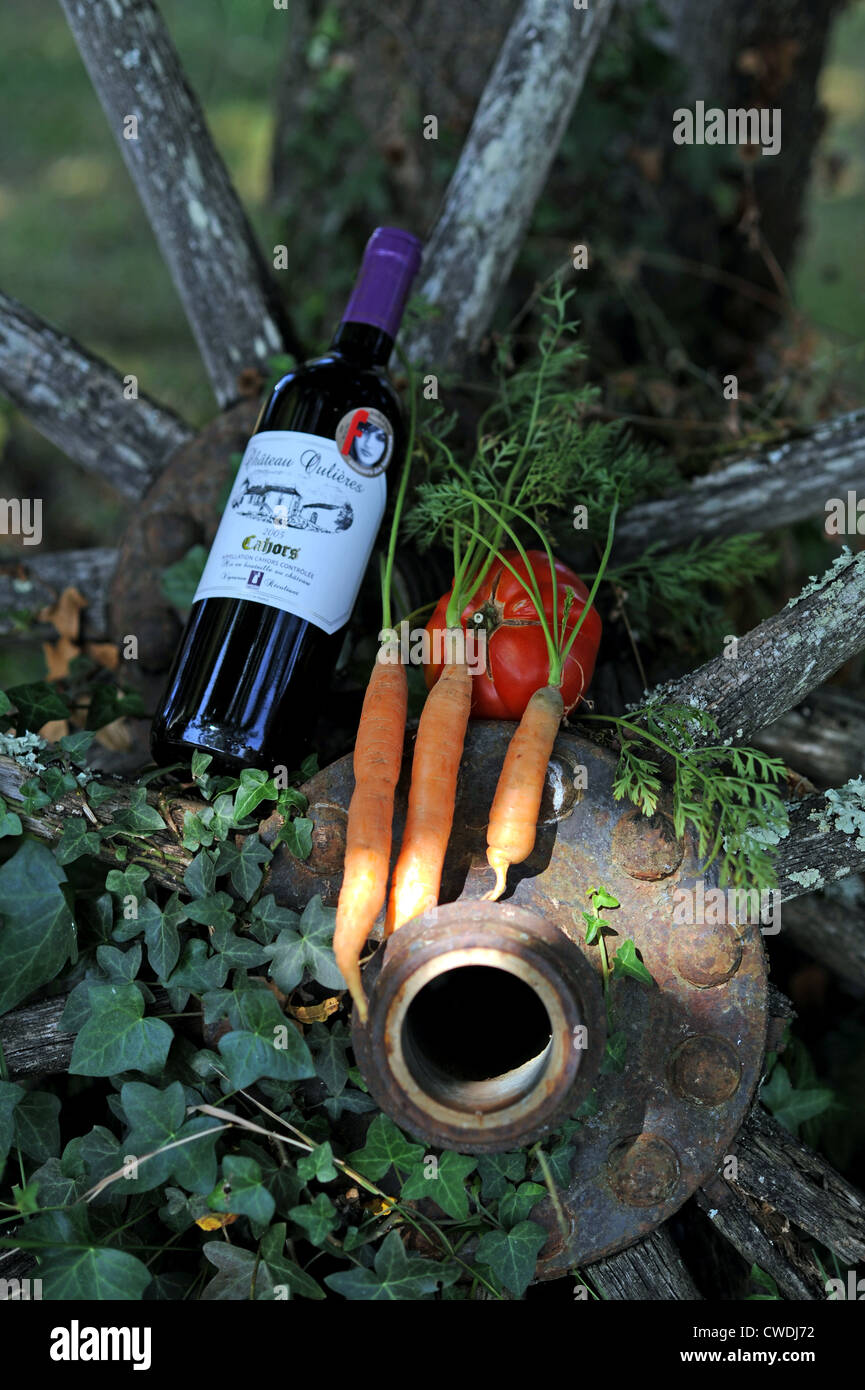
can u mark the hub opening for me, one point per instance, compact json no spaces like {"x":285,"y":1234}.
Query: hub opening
{"x":477,"y":1038}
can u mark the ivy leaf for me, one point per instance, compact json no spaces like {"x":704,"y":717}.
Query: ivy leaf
{"x":269,"y":919}
{"x":33,"y":798}
{"x":386,"y":1147}
{"x":296,"y":834}
{"x":242,"y":1190}
{"x":355,"y":1102}
{"x":512,"y":1255}
{"x":792,"y":1107}
{"x":198,"y":971}
{"x":559,"y":1161}
{"x":127,"y":883}
{"x":5,"y":703}
{"x":10,"y":1097}
{"x":317,"y":1219}
{"x":10,"y":822}
{"x":517,"y":1202}
{"x":180,"y":580}
{"x":137,"y":818}
{"x":98,"y":1273}
{"x":498,"y":1171}
{"x":121,"y":967}
{"x":397,"y":1276}
{"x":243,"y":864}
{"x":215,"y":910}
{"x":200,"y":878}
{"x":76,"y":744}
{"x":329,"y":1045}
{"x":157,"y":1118}
{"x":615,"y":1053}
{"x":117,"y":1037}
{"x":255,"y":787}
{"x":75,"y":841}
{"x":101,"y":1153}
{"x":37,"y":1125}
{"x":602,"y":898}
{"x":309,"y":947}
{"x":35,"y":704}
{"x":626,"y":962}
{"x":446,"y":1186}
{"x":38,"y":933}
{"x":58,"y":782}
{"x":318,"y":1164}
{"x":162,"y":937}
{"x":239,"y":951}
{"x":237,"y":1268}
{"x":265,"y":1043}
{"x":594,"y":925}
{"x":285,"y":1271}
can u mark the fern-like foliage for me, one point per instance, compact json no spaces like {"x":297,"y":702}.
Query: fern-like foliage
{"x":729,"y":797}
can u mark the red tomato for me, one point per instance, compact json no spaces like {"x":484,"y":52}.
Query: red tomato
{"x":517,"y":661}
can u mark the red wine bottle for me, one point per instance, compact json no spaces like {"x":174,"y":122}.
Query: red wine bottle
{"x":268,"y":618}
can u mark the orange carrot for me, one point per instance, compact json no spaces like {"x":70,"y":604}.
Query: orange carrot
{"x":514,"y":813}
{"x":377,"y":760}
{"x":438,"y":750}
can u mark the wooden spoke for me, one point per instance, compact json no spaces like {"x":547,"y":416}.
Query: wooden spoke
{"x":788,"y":480}
{"x":31,"y":582}
{"x":652,"y":1269}
{"x":203,"y":232}
{"x":782,"y":659}
{"x":519,"y":123}
{"x":82,"y":404}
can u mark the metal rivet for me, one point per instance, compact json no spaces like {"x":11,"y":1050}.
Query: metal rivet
{"x":646,"y":846}
{"x":704,"y":1069}
{"x":706,"y":956}
{"x":642,"y":1170}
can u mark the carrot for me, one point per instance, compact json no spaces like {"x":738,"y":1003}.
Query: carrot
{"x":377,"y":760}
{"x":514,"y":813}
{"x":438,"y":750}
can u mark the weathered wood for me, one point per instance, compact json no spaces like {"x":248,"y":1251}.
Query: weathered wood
{"x":36,"y":581}
{"x":777,"y":1171}
{"x":758,"y":491}
{"x":825,"y":840}
{"x":203,"y":232}
{"x":652,"y":1269}
{"x":830,"y":928}
{"x":161,"y":853}
{"x":77,"y":401}
{"x":782,"y":659}
{"x":516,"y":131}
{"x":749,"y":1227}
{"x":823,"y":738}
{"x":32,"y":1044}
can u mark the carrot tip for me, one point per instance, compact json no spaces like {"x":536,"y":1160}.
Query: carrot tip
{"x":498,"y":861}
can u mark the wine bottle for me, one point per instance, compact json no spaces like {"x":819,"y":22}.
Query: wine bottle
{"x":268,"y":618}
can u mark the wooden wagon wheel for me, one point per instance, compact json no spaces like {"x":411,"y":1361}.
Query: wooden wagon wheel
{"x":783,"y":1192}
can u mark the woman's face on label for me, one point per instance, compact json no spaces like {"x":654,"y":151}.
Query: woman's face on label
{"x":369,"y":445}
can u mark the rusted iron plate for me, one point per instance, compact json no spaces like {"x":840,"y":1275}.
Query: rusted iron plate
{"x":695,"y":1040}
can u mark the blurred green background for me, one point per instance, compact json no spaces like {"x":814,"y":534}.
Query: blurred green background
{"x":76,"y":247}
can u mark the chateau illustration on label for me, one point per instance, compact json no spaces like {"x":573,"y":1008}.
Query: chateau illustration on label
{"x":280,"y":504}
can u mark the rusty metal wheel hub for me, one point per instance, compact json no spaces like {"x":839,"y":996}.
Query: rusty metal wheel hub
{"x":694,"y":1040}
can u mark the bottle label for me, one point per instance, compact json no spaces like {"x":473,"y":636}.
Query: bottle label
{"x":301,"y":521}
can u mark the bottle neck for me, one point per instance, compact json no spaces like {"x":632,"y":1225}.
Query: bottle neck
{"x":362,"y":342}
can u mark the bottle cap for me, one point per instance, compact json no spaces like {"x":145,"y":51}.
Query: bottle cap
{"x":390,"y":263}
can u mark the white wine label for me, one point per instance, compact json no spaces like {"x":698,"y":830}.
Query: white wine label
{"x":298,"y":529}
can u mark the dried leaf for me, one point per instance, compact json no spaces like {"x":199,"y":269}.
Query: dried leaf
{"x":215,"y":1223}
{"x":65,"y":614}
{"x":316,"y":1013}
{"x":105,"y":654}
{"x":58,"y":656}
